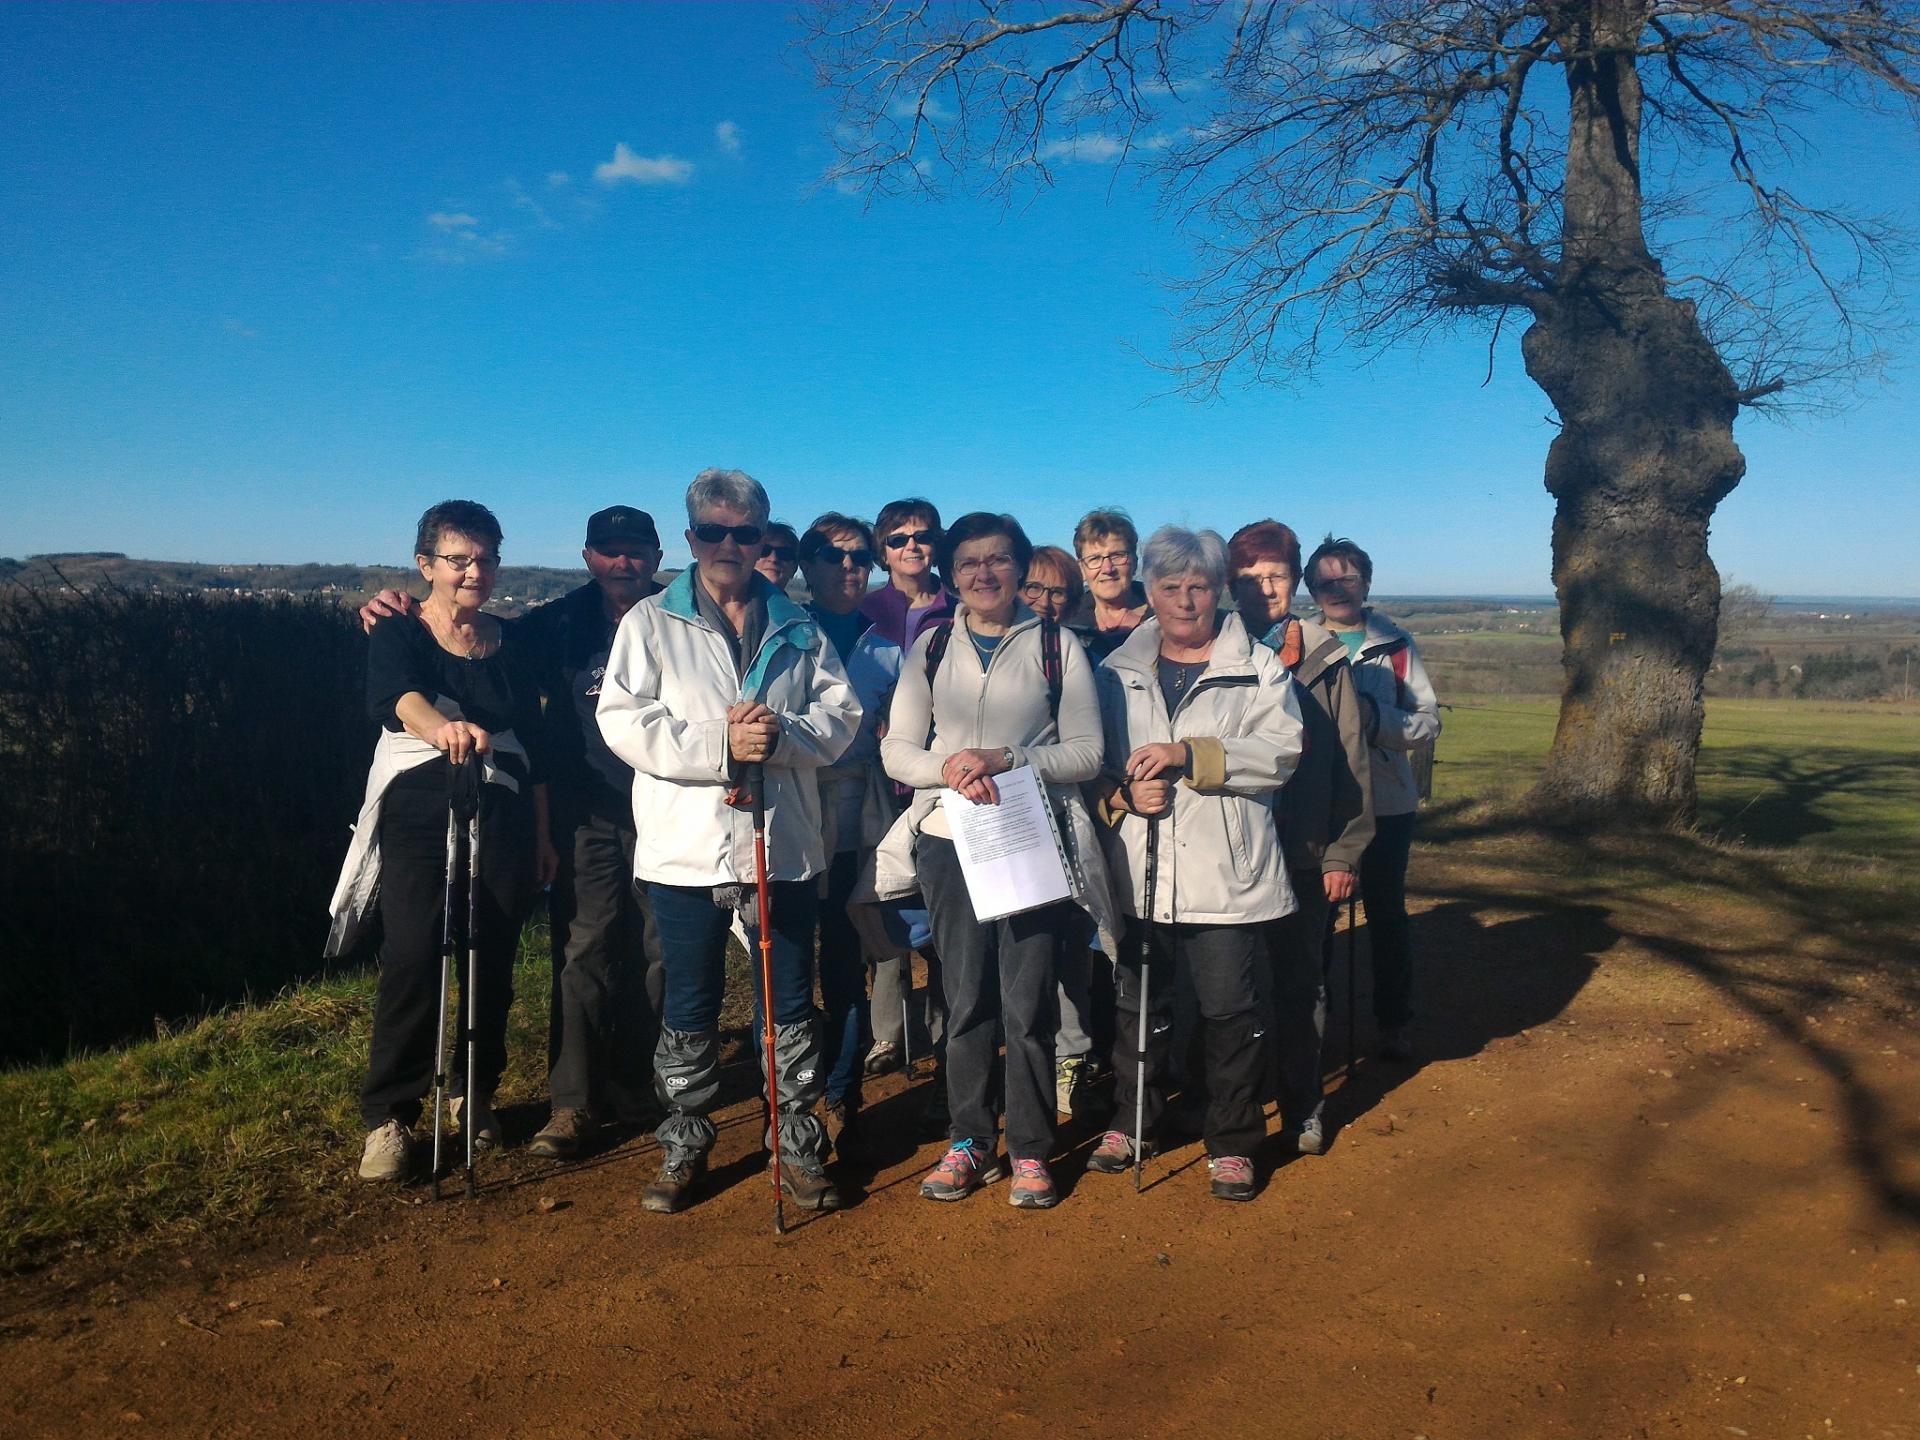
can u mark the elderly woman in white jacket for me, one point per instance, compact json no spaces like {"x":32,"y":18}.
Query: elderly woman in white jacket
{"x":989,"y":706}
{"x":719,"y":671}
{"x":1203,"y":728}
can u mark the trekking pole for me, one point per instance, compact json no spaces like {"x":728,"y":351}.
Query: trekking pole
{"x":1353,"y":922}
{"x":1146,"y":954}
{"x":757,"y":790}
{"x":446,"y":981}
{"x":906,"y":1025}
{"x":471,"y":795}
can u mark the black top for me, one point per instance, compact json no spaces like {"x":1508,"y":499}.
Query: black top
{"x":497,"y":693}
{"x":1102,"y":643}
{"x":571,"y":638}
{"x":843,"y":630}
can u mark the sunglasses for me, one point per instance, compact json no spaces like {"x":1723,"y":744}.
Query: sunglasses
{"x":900,"y":539}
{"x":861,"y":557}
{"x":783,"y":553}
{"x":711,"y":534}
{"x":623,"y":552}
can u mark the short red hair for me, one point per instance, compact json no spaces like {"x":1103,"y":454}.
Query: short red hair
{"x":1264,"y":540}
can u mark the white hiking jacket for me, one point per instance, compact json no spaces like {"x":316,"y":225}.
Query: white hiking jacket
{"x":1001,"y":704}
{"x":1220,"y":860}
{"x":663,"y":709}
{"x":1404,"y":715}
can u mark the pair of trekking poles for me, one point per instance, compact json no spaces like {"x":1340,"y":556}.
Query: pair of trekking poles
{"x":1146,"y":957}
{"x":463,"y":813}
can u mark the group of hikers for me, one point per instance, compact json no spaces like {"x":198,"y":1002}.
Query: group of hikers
{"x":1224,"y":775}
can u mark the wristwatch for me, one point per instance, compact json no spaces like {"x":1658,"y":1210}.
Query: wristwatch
{"x":1006,"y":756}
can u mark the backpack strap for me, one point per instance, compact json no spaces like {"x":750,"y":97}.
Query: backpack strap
{"x":940,"y":637}
{"x":1051,"y":666}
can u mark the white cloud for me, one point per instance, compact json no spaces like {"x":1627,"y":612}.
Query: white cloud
{"x":457,"y":238}
{"x":558,"y":178}
{"x":522,"y":200}
{"x":727,"y":135}
{"x":1092,"y":149}
{"x":239,"y":327}
{"x":642,"y":169}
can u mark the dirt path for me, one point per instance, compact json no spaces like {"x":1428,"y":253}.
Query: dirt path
{"x":1651,"y":1180}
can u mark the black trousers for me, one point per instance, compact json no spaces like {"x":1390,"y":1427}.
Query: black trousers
{"x":604,"y":1018}
{"x":998,"y":975}
{"x":413,"y":878}
{"x":1220,"y":961}
{"x":1295,"y":1007}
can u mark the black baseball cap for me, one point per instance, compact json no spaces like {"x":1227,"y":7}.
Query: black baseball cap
{"x":621,"y":522}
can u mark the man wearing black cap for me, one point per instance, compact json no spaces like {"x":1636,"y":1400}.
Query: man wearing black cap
{"x":606,"y":956}
{"x":601,"y":1038}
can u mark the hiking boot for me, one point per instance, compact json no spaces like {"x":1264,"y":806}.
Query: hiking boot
{"x":672,"y":1188}
{"x":1396,"y":1044}
{"x":1307,"y":1139}
{"x":843,"y":1132}
{"x":1114,"y":1154}
{"x":810,"y":1189}
{"x":388,"y":1152}
{"x":1232,"y":1177}
{"x":1067,"y":1075}
{"x":1032,"y":1187}
{"x":960,"y":1172}
{"x":562,"y":1136}
{"x":883,"y":1059}
{"x":486,"y":1124}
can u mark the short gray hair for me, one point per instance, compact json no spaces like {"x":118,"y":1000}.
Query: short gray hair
{"x":1172,"y":551}
{"x":734,"y":489}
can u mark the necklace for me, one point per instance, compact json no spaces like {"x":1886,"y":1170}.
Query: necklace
{"x":1180,"y":674}
{"x":478,"y":645}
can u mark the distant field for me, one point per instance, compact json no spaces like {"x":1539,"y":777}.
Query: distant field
{"x":1789,"y":773}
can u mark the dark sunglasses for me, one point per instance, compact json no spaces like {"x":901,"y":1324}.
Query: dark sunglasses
{"x":784,"y":553}
{"x":711,"y":534}
{"x":623,"y":552}
{"x":900,"y":539}
{"x":861,"y":557}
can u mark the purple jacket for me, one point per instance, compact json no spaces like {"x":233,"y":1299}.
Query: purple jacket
{"x":893,"y":619}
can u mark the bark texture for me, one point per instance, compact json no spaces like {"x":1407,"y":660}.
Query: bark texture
{"x":1644,"y":455}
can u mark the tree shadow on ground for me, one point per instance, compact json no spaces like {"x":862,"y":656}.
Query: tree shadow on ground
{"x":1475,"y":982}
{"x":1785,"y":938}
{"x":1779,"y":797}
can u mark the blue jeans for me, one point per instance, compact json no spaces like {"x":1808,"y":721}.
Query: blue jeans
{"x":693,"y":949}
{"x":693,"y":942}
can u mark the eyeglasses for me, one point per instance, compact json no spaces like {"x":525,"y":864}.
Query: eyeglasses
{"x":487,"y":563}
{"x":744,"y":535}
{"x":1114,"y":558}
{"x":1033,"y":590}
{"x":1335,"y":582}
{"x":860,"y":558}
{"x":900,"y":539}
{"x":623,"y":552}
{"x":783,"y":553}
{"x":967,"y":569}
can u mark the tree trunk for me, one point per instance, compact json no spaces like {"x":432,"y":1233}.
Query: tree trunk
{"x":1645,"y":453}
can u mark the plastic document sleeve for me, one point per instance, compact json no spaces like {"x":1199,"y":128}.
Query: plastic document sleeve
{"x":1010,"y":853}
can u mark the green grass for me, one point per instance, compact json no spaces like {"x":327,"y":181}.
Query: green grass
{"x":1827,"y":779}
{"x":248,"y":1110}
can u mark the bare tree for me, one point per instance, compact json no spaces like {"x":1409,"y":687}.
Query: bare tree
{"x":1604,"y":172}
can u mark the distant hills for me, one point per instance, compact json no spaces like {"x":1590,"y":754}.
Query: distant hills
{"x":518,"y":588}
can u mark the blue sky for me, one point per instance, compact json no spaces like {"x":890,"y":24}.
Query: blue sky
{"x":273,"y":279}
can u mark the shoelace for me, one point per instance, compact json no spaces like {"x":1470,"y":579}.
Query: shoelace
{"x":959,"y":1158}
{"x":1029,"y":1170}
{"x":1232,"y":1167}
